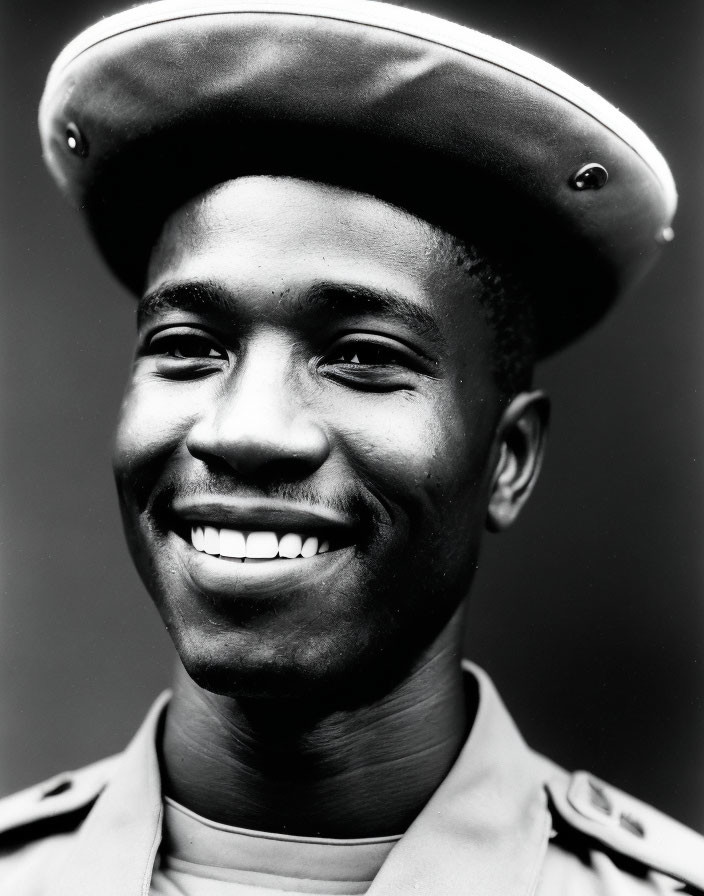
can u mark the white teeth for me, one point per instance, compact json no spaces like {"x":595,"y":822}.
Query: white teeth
{"x":290,"y":545}
{"x":310,"y":547}
{"x":212,"y":540}
{"x":257,"y":546}
{"x":262,"y":545}
{"x":197,"y":539}
{"x":232,"y":543}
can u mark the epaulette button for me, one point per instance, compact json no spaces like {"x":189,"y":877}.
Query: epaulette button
{"x":599,"y":799}
{"x":57,"y":788}
{"x":631,"y":824}
{"x":594,"y":800}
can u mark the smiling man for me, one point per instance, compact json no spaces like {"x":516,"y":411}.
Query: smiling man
{"x":352,"y":230}
{"x":294,"y":465}
{"x":311,"y":438}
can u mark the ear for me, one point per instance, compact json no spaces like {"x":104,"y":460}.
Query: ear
{"x":521,"y":437}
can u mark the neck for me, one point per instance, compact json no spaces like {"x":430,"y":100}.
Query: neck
{"x":343,"y":773}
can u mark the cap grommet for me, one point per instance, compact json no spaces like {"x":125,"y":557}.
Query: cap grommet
{"x":592,"y":176}
{"x":75,"y":140}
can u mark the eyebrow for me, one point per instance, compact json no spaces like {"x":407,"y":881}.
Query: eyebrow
{"x":196,"y":296}
{"x":334,"y":298}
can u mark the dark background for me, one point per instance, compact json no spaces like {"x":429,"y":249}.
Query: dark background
{"x":589,"y":614}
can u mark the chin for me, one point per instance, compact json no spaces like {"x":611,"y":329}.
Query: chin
{"x":335,"y":671}
{"x":243,"y":665}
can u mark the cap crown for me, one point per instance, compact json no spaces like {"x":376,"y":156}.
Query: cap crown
{"x":154,"y":105}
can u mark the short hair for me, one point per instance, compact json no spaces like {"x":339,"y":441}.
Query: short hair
{"x":508,"y":310}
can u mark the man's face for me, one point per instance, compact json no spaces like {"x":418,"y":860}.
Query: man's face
{"x":310,"y":381}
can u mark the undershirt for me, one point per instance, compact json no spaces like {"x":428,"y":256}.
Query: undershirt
{"x":199,"y":857}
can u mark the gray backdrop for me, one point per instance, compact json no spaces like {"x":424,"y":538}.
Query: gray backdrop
{"x":589,"y":614}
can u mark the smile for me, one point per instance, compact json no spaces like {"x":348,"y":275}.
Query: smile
{"x":235,"y":544}
{"x":224,"y":562}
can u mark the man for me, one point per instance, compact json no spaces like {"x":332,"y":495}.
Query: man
{"x":352,"y":230}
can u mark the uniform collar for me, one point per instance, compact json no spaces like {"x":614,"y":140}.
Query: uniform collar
{"x":485,"y":829}
{"x":114,"y":851}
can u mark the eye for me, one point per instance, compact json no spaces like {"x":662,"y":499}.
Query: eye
{"x":185,"y":345}
{"x":182,"y":353}
{"x":373,"y":362}
{"x":367,"y":354}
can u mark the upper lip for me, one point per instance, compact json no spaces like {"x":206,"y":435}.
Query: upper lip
{"x":258,"y":514}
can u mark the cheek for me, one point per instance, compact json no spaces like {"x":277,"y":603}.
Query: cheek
{"x":426,"y":456}
{"x":154,"y":421}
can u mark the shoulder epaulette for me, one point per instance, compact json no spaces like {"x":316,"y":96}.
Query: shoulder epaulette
{"x":67,"y":795}
{"x":626,"y":826}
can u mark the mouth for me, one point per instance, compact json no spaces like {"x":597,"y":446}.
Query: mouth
{"x":269,"y":534}
{"x":224,"y":562}
{"x":258,"y":545}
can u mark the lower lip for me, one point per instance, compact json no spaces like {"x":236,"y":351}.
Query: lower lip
{"x":221,"y":576}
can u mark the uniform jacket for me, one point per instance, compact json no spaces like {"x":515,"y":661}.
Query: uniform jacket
{"x":504,"y":822}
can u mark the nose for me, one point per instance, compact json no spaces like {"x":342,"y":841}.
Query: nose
{"x":259,"y":422}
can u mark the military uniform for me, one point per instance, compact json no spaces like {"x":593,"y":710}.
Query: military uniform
{"x":504,"y":822}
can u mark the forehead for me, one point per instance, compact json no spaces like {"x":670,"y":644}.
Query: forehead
{"x":287,"y":233}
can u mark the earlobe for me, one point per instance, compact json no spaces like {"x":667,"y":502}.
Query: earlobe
{"x":521,"y":437}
